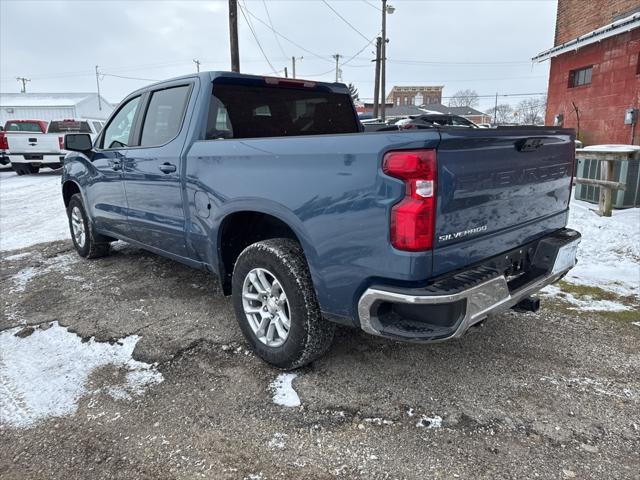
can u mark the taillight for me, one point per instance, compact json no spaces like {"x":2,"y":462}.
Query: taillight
{"x":61,"y":142}
{"x":413,"y":218}
{"x":4,"y":143}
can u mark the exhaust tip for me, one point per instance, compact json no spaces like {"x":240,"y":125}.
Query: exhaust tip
{"x":529,"y":304}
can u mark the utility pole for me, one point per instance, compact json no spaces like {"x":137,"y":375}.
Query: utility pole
{"x":24,"y":81}
{"x":197,"y":62}
{"x":337,"y":57}
{"x":293,"y":66}
{"x":376,"y":83}
{"x":286,"y":74}
{"x":98,"y":85}
{"x":233,"y":35}
{"x":383,"y":53}
{"x":495,"y":111}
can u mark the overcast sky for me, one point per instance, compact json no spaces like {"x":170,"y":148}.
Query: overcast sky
{"x":474,"y":44}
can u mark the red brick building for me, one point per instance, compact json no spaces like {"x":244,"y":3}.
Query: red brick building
{"x":595,"y":67}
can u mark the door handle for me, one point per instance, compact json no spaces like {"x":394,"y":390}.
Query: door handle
{"x":116,"y":165}
{"x":167,"y":167}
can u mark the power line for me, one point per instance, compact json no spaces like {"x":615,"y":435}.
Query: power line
{"x":273,"y":29}
{"x":358,"y":53}
{"x":326,"y":59}
{"x":102,"y":74}
{"x":372,"y":5}
{"x":345,"y":20}
{"x":242,"y":10}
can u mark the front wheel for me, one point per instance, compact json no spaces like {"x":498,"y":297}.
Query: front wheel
{"x":87,"y":242}
{"x":276,"y":305}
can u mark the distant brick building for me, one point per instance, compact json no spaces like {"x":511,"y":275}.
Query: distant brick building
{"x":418,"y":95}
{"x":595,"y":65}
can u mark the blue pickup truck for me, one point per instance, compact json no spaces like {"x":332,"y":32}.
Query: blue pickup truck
{"x":309,"y":222}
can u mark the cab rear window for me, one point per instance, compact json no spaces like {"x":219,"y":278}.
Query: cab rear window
{"x":240,"y":111}
{"x":67,"y":126}
{"x":23,"y":127}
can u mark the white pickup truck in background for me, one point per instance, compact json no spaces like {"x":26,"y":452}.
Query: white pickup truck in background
{"x":28,"y":153}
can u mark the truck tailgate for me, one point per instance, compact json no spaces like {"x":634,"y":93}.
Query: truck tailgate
{"x":27,"y":142}
{"x":499,"y":188}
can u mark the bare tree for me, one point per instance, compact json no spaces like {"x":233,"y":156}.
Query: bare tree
{"x":464,"y":98}
{"x":531,"y":111}
{"x":503,"y":113}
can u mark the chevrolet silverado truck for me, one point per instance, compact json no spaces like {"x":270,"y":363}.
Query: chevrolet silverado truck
{"x":309,"y":222}
{"x":29,"y":153}
{"x":24,"y":127}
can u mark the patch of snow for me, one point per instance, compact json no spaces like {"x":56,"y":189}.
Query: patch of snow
{"x":585,"y":303}
{"x":31,"y":209}
{"x":44,"y":374}
{"x":283,"y":392}
{"x":609,"y":253}
{"x":21,"y":279}
{"x":60,"y":264}
{"x":17,"y":256}
{"x":616,"y":148}
{"x":585,"y":384}
{"x":429,"y":422}
{"x":637,"y":324}
{"x":379,"y":421}
{"x":278,"y":440}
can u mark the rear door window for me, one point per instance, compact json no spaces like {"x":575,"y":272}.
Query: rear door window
{"x":256,"y":111}
{"x":164,"y":115}
{"x":69,"y":126}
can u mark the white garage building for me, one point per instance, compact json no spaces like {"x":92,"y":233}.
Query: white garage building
{"x":51,"y":106}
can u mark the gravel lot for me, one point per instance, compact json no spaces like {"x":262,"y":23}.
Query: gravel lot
{"x":550,"y":395}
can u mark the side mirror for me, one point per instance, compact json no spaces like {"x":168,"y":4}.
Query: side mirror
{"x":78,"y":142}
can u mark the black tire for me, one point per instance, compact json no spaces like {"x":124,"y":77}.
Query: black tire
{"x":93,"y":245}
{"x":310,"y":335}
{"x":18,"y":169}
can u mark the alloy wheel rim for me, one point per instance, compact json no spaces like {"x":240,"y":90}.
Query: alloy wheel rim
{"x":77,"y":225}
{"x":266,"y":307}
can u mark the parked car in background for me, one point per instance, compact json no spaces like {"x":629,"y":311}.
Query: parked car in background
{"x":431,"y":120}
{"x":33,"y":149}
{"x":25,"y":127}
{"x":270,"y":183}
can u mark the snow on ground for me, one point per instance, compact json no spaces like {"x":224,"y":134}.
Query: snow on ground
{"x":609,"y":254}
{"x":31,"y":210}
{"x":283,"y":392}
{"x":45,"y":374}
{"x":586,"y":303}
{"x":612,"y":147}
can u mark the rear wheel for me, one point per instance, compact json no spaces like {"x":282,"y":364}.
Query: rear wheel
{"x":276,"y":305}
{"x":86,"y":241}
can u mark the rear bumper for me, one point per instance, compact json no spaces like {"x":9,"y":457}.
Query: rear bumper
{"x":450,"y":306}
{"x":38,"y":159}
